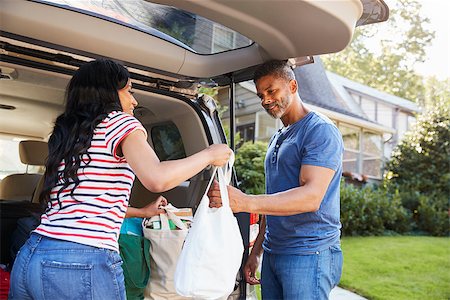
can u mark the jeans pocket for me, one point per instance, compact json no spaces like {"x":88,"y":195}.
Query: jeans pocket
{"x":337,"y":260}
{"x":63,"y":280}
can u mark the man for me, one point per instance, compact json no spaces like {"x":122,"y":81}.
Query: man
{"x":300,"y":231}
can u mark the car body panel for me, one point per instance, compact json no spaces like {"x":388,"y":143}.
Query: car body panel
{"x":281,"y":30}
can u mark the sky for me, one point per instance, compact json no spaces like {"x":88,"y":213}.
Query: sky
{"x":438,"y":53}
{"x":438,"y":62}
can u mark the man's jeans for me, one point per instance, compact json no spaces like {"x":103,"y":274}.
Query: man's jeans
{"x":47,"y":268}
{"x":306,"y":277}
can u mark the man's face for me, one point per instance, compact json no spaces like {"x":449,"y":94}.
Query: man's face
{"x":275,"y":94}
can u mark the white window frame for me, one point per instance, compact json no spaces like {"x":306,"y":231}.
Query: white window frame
{"x":217,"y":26}
{"x":360,"y":151}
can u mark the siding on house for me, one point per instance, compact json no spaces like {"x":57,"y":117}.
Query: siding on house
{"x":377,"y":106}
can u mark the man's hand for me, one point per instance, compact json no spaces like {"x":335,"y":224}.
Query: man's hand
{"x":237,"y":197}
{"x":215,"y":200}
{"x":250,"y":270}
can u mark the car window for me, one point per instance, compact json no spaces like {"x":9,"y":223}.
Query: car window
{"x":191,"y":31}
{"x":10,"y":160}
{"x":167,"y":142}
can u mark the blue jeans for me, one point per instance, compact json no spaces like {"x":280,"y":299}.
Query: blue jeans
{"x":308,"y":277}
{"x":47,"y":268}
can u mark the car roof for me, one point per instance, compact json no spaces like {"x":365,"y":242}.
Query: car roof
{"x":276,"y":30}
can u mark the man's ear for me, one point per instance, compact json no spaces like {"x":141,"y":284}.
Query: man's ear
{"x":293,"y":87}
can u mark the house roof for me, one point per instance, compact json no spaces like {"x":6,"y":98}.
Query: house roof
{"x":339,"y":82}
{"x":315,"y":89}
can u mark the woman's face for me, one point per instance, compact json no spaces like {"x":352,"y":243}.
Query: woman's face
{"x":127,"y":100}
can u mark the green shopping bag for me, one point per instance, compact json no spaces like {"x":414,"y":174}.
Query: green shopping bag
{"x":135,"y":252}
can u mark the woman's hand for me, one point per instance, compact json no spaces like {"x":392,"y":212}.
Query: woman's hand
{"x":219,"y":154}
{"x":148,"y":211}
{"x":154,"y":208}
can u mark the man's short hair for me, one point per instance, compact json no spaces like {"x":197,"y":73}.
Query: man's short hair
{"x":278,"y":68}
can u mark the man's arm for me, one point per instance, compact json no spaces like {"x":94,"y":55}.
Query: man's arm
{"x":314,"y":182}
{"x":253,"y":259}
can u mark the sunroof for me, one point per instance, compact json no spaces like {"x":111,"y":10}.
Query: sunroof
{"x":183,"y":28}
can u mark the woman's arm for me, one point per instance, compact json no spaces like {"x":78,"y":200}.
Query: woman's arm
{"x":159,"y":176}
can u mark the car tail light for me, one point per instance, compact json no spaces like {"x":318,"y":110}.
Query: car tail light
{"x":254,"y":229}
{"x":254,"y":218}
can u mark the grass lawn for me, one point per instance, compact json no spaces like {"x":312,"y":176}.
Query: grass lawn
{"x":397,"y":267}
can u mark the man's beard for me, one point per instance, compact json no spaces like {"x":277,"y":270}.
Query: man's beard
{"x":281,"y":109}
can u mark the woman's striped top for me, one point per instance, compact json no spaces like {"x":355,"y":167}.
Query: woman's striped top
{"x":94,"y":215}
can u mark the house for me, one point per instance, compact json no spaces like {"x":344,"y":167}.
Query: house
{"x":371,"y":122}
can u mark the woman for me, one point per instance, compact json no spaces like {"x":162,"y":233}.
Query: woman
{"x":95,"y":150}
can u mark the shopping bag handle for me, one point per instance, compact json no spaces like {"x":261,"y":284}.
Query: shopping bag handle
{"x":228,"y":169}
{"x":176,"y":220}
{"x":164,"y":219}
{"x":223,"y":182}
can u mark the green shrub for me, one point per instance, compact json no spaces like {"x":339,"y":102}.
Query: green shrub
{"x":400,"y":218}
{"x":371,"y":211}
{"x":249,"y":167}
{"x":420,"y":170}
{"x":433,"y":215}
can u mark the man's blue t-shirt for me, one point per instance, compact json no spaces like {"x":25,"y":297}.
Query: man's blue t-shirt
{"x":313,"y":140}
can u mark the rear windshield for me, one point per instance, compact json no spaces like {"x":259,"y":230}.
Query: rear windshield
{"x":188,"y":30}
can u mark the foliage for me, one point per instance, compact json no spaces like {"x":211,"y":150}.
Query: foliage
{"x":237,"y":136}
{"x":433,"y":215}
{"x":249,"y":167}
{"x":210,"y":92}
{"x":397,"y":267}
{"x":371,"y":211}
{"x":176,"y":31}
{"x":391,"y":69}
{"x":437,"y":93}
{"x":420,"y":169}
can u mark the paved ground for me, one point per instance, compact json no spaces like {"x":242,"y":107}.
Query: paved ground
{"x":340,"y":294}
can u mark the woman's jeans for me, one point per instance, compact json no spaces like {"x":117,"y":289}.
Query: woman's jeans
{"x":47,"y":268}
{"x":308,"y":277}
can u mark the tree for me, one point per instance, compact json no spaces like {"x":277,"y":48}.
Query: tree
{"x":391,"y":68}
{"x":437,"y":93}
{"x":420,"y":170}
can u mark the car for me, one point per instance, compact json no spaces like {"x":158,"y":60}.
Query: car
{"x":177,"y":52}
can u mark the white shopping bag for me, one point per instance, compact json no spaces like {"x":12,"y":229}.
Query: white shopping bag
{"x":213,"y":249}
{"x":165,"y":248}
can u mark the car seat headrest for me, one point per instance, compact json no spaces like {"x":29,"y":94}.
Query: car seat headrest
{"x":33,"y":152}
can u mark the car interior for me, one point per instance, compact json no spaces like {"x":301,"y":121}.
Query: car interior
{"x":175,"y":130}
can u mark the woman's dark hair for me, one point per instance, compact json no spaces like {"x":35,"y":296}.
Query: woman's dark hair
{"x":91,"y":95}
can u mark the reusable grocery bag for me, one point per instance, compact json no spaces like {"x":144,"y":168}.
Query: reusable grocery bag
{"x":134,"y":251}
{"x":213,"y":249}
{"x":166,"y":242}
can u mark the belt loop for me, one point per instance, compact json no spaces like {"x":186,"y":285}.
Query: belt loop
{"x":34,"y":244}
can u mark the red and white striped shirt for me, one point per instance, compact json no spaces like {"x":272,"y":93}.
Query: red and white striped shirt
{"x":96,"y":212}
